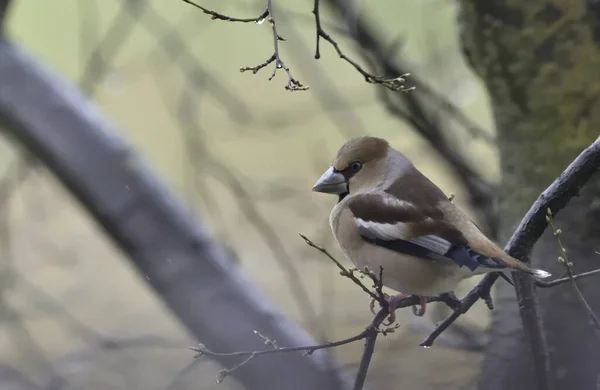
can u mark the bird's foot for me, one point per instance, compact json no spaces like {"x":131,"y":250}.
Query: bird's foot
{"x":393,"y":301}
{"x":419,"y":310}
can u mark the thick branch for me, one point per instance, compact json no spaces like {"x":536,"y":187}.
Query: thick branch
{"x":555,"y":197}
{"x":165,"y":244}
{"x":533,"y":225}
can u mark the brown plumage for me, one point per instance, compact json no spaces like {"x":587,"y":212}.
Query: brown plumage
{"x":391,"y":215}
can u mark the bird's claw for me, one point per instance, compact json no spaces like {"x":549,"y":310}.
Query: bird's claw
{"x":390,"y":319}
{"x":372,"y":305}
{"x":393,"y":301}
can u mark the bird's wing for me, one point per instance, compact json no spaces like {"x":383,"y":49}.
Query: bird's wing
{"x":414,"y":229}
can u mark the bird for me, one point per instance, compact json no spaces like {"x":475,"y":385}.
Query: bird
{"x":390,"y":216}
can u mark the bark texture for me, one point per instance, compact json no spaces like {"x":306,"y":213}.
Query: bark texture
{"x":540,"y":61}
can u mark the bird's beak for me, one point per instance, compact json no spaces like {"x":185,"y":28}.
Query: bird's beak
{"x":331,"y":182}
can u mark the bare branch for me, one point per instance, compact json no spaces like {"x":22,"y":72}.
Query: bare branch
{"x":556,"y":282}
{"x":394,"y":84}
{"x":43,"y":112}
{"x":343,"y":270}
{"x":218,"y":16}
{"x":202,"y":350}
{"x":293,"y":84}
{"x":371,"y":337}
{"x":369,"y":334}
{"x":532,"y":226}
{"x":564,"y":260}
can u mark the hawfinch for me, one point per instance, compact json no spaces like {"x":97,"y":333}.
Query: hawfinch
{"x":390,"y":215}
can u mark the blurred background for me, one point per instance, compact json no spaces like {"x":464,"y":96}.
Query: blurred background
{"x":242,"y":153}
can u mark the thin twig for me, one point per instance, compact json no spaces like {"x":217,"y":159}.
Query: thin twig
{"x":218,"y":16}
{"x":349,"y":273}
{"x":556,"y":282}
{"x":369,"y":334}
{"x":309,"y":349}
{"x":564,"y":260}
{"x":394,"y":84}
{"x":293,"y":84}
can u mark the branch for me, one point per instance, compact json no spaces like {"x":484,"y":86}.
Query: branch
{"x":564,"y":260}
{"x":218,"y":16}
{"x":369,"y":334}
{"x":292,"y":84}
{"x":394,"y":84}
{"x":69,"y":136}
{"x":556,"y":282}
{"x":532,"y":226}
{"x":343,"y":270}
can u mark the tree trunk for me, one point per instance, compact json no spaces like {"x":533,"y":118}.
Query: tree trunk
{"x":540,"y":61}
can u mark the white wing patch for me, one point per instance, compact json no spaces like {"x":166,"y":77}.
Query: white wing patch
{"x":399,"y":231}
{"x":384,"y":231}
{"x":433,"y":243}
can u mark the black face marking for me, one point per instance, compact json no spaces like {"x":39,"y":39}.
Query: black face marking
{"x":350,"y":170}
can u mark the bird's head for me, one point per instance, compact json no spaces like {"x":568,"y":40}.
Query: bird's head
{"x":359,"y":164}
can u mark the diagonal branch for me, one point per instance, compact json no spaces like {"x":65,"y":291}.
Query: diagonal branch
{"x":72,"y":139}
{"x":555,"y":197}
{"x":394,"y":84}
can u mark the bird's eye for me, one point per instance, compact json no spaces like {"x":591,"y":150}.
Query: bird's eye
{"x":356,"y":166}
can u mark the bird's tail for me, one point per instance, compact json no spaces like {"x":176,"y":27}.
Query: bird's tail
{"x":513,"y":263}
